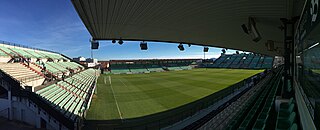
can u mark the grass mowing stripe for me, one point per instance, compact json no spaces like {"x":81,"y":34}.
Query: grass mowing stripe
{"x":176,"y":87}
{"x":144,"y":95}
{"x":122,"y":82}
{"x":158,"y":96}
{"x":114,"y":96}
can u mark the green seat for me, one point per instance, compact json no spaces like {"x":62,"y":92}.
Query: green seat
{"x":286,"y":112}
{"x":294,"y":127}
{"x":259,"y":125}
{"x":286,"y":105}
{"x":263,"y":116}
{"x":58,"y":98}
{"x":244,"y":124}
{"x":65,"y":99}
{"x":289,"y":86}
{"x":287,"y":122}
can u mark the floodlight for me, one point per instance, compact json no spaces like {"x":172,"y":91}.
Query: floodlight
{"x":251,"y":29}
{"x":113,"y":41}
{"x":223,"y":51}
{"x":205,"y":49}
{"x":120,"y":42}
{"x":94,"y":44}
{"x":180,"y":46}
{"x":143,"y":46}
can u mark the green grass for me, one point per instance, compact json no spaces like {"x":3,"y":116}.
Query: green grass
{"x":143,"y":94}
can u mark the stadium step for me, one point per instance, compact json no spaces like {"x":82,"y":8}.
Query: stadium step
{"x":70,"y":98}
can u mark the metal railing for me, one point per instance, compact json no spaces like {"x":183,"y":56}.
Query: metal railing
{"x":24,"y":46}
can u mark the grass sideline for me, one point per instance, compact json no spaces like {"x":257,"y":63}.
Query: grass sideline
{"x":136,"y":95}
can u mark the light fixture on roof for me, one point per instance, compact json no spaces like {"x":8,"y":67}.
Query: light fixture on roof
{"x":94,"y":44}
{"x":205,"y":49}
{"x":251,"y":29}
{"x":120,"y":42}
{"x":113,"y":41}
{"x":189,"y":45}
{"x":223,"y":51}
{"x":180,"y":46}
{"x":143,"y":45}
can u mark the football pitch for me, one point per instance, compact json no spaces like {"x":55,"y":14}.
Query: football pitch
{"x":135,"y":95}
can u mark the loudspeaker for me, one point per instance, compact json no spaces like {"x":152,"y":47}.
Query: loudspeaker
{"x":113,"y":41}
{"x":245,"y":29}
{"x":94,"y":44}
{"x":223,"y":51}
{"x":143,"y":46}
{"x":205,"y":49}
{"x":181,"y":48}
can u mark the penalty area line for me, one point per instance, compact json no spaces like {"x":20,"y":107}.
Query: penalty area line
{"x":105,"y":80}
{"x":115,"y":99}
{"x":109,"y":79}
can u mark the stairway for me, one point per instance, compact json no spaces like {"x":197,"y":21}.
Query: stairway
{"x":23,"y":74}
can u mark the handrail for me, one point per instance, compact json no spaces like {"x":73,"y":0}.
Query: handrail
{"x":7,"y":53}
{"x":41,"y":74}
{"x":29,"y":53}
{"x":78,"y":89}
{"x":54,"y":75}
{"x":18,"y":54}
{"x":73,"y":93}
{"x":55,"y":67}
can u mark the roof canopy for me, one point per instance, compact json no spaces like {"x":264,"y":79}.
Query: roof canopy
{"x":205,"y":22}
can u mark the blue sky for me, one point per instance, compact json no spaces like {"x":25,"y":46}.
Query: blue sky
{"x":55,"y":25}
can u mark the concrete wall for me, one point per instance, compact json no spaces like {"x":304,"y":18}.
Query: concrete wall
{"x":26,"y":111}
{"x":4,"y":107}
{"x":4,"y":59}
{"x":35,"y":83}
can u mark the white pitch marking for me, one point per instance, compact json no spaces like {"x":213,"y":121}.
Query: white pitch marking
{"x":105,"y":80}
{"x":115,"y":99}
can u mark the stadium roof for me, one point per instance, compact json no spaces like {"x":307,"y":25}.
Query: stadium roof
{"x":206,"y":22}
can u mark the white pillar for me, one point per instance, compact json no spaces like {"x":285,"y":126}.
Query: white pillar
{"x":10,"y":105}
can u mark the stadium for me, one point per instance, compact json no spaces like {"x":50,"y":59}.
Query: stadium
{"x":271,"y":81}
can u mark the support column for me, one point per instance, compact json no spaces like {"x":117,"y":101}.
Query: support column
{"x":10,"y":111}
{"x":288,"y":28}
